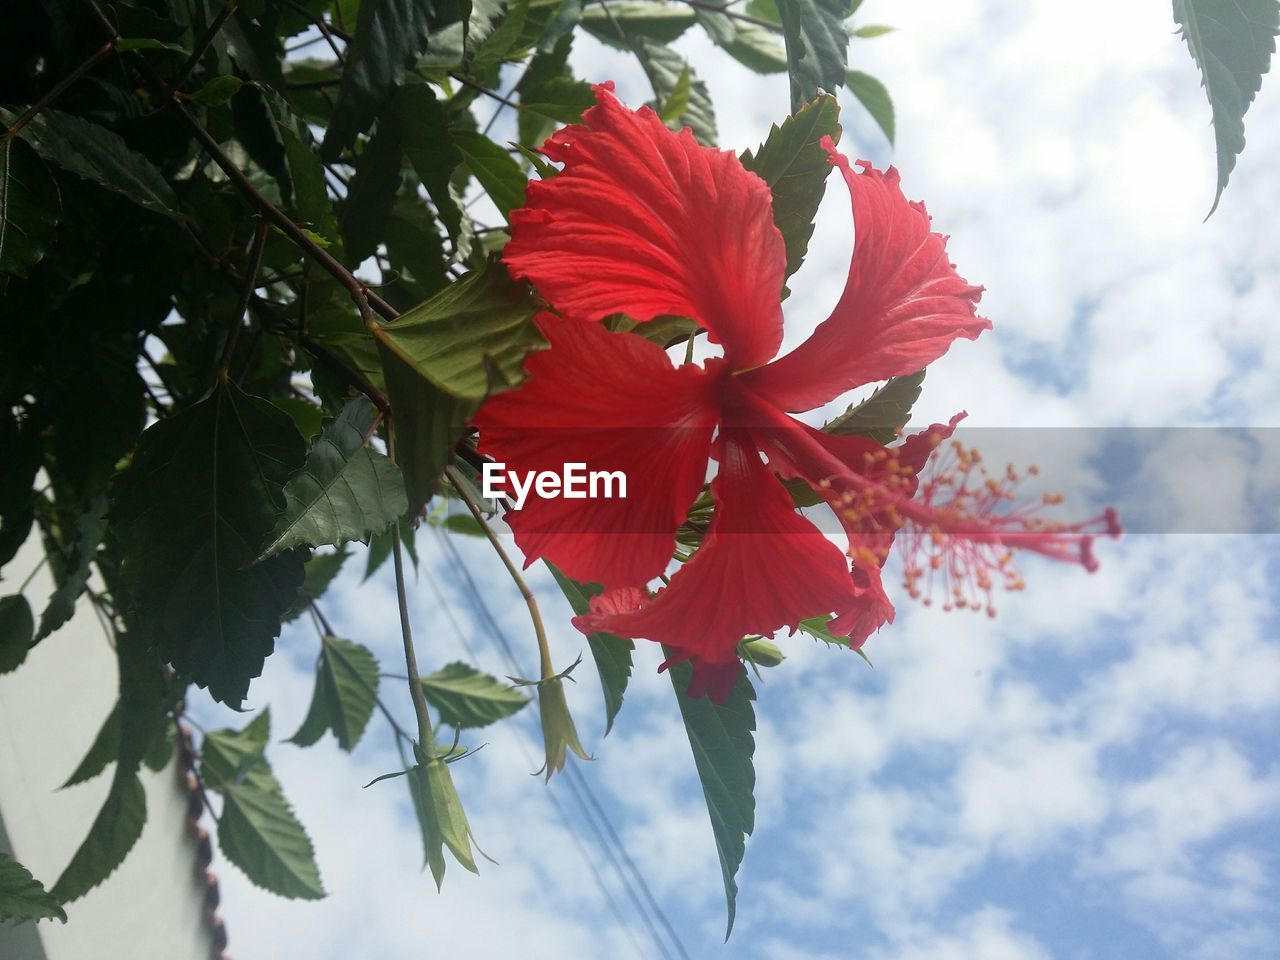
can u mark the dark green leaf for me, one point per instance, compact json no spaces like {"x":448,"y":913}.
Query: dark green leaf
{"x":321,"y":570}
{"x":665,"y":67}
{"x":372,"y":193}
{"x":345,"y":693}
{"x":428,"y":425}
{"x":30,"y":207}
{"x":660,"y":22}
{"x":414,"y":245}
{"x":149,"y":43}
{"x":470,"y":339}
{"x":202,"y":494}
{"x":817,"y":46}
{"x":494,"y":168}
{"x":558,"y":99}
{"x":611,"y":654}
{"x":883,"y":414}
{"x":104,"y":750}
{"x":344,"y":491}
{"x":306,"y":176}
{"x":497,"y":45}
{"x":114,"y":832}
{"x":17,"y":628}
{"x":428,"y":143}
{"x":257,"y":830}
{"x":466,"y":697}
{"x":23,"y":897}
{"x":390,"y":35}
{"x":1231,"y":42}
{"x":723,"y":745}
{"x":75,"y":573}
{"x":96,"y":153}
{"x":871,"y":93}
{"x":259,"y":833}
{"x":795,"y":167}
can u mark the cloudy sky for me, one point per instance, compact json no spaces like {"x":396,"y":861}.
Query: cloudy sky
{"x":1091,"y":776}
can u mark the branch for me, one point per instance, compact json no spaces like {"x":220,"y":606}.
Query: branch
{"x":29,"y":114}
{"x":242,"y":308}
{"x":426,"y":745}
{"x":544,"y":649}
{"x":210,"y":33}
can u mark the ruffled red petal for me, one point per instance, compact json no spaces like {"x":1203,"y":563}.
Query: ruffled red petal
{"x":902,"y":306}
{"x":646,"y":222}
{"x":761,"y":566}
{"x":611,"y":402}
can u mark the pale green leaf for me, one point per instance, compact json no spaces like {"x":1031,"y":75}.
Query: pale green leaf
{"x":466,"y":697}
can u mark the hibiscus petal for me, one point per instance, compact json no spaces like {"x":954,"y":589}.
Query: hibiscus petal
{"x":610,"y":402}
{"x":761,"y":566}
{"x":646,"y":222}
{"x":902,"y":306}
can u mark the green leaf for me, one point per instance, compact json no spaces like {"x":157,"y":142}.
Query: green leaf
{"x":665,"y":67}
{"x":611,"y":654}
{"x":817,"y":46}
{"x":257,"y":830}
{"x":817,"y":627}
{"x":494,"y":168}
{"x":558,"y":99}
{"x":871,"y":93}
{"x":30,"y":207}
{"x":344,"y":491}
{"x":389,"y":37}
{"x":74,"y":576}
{"x":150,"y":43}
{"x":373,"y":191}
{"x":97,"y":154}
{"x":752,"y":45}
{"x":677,"y":101}
{"x":259,"y":834}
{"x":463,"y":523}
{"x":306,"y":176}
{"x":441,"y":818}
{"x":428,"y":144}
{"x":883,"y":414}
{"x":103,"y":751}
{"x":17,"y":628}
{"x":217,"y":91}
{"x":428,"y":425}
{"x":471,"y":339}
{"x":795,"y":167}
{"x":203,"y":493}
{"x":380,"y":548}
{"x":872,"y":30}
{"x":1231,"y":42}
{"x":345,"y":693}
{"x":414,"y":244}
{"x":466,"y":697}
{"x":23,"y":897}
{"x":321,"y":570}
{"x":660,"y":22}
{"x":115,"y":830}
{"x":722,"y":742}
{"x":497,"y":45}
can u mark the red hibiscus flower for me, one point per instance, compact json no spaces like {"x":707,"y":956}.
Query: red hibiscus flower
{"x":647,"y":223}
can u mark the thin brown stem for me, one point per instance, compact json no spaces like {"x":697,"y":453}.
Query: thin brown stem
{"x":242,"y":308}
{"x":744,"y":17}
{"x":544,"y":648}
{"x":327,"y":30}
{"x":58,"y":88}
{"x":211,"y":32}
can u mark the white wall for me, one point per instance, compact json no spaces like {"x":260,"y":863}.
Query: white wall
{"x":51,"y":708}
